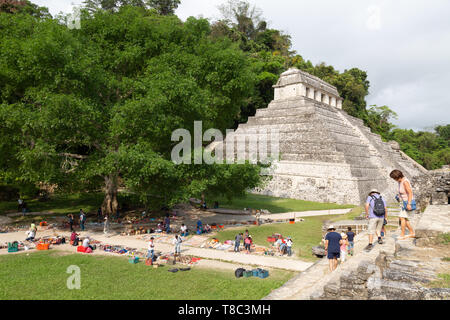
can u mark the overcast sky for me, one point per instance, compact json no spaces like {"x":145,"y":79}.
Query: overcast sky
{"x":404,"y":45}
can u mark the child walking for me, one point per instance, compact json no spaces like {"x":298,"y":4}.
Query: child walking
{"x":344,"y":247}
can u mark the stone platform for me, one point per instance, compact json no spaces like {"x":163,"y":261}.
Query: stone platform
{"x":396,"y":270}
{"x":433,"y":224}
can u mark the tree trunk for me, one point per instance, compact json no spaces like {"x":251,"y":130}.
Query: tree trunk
{"x":110,"y":204}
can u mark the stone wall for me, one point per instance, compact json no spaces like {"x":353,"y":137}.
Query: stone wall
{"x":388,"y":278}
{"x":432,"y":188}
{"x":401,"y":270}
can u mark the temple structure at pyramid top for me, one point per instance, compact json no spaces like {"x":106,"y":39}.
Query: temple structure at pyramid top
{"x":323,"y":154}
{"x":296,"y":83}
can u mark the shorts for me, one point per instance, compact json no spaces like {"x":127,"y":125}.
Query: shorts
{"x":334,"y":255}
{"x":406,"y":214}
{"x":375,"y":225}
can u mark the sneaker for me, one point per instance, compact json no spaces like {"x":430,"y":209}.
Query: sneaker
{"x":369,"y":247}
{"x":380,"y":241}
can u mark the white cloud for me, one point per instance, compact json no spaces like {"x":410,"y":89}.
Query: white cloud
{"x":404,"y":45}
{"x":374,"y":19}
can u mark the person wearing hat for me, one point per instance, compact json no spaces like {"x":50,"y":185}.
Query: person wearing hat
{"x":376,"y":212}
{"x":333,"y":241}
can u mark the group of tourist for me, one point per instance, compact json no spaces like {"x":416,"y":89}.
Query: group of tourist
{"x":337,"y":245}
{"x":246,"y":238}
{"x":83,"y":218}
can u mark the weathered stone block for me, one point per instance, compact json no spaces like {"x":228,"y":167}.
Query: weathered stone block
{"x":396,"y":275}
{"x":348,"y":280}
{"x":365,"y":270}
{"x":437,"y":294}
{"x":395,"y":290}
{"x":331,"y":289}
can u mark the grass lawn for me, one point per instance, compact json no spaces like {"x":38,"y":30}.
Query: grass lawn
{"x":304,"y":234}
{"x":59,"y":204}
{"x":90,"y":202}
{"x":274,"y":205}
{"x":442,"y":282}
{"x":42,"y":275}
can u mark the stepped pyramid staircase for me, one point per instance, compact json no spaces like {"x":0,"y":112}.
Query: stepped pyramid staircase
{"x":325,"y":154}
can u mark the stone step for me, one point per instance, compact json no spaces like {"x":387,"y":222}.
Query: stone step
{"x":288,"y":112}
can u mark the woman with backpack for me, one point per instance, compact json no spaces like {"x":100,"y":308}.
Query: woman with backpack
{"x":406,"y":195}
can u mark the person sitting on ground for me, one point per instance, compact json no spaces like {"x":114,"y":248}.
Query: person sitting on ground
{"x":248,"y":244}
{"x":30,"y":235}
{"x":184,"y":230}
{"x":207,"y":229}
{"x":74,"y":238}
{"x":86,"y":243}
{"x":350,"y":238}
{"x":199,"y":224}
{"x":376,"y":212}
{"x":333,"y":247}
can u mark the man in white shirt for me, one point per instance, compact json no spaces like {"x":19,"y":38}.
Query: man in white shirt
{"x":86,"y":243}
{"x":30,"y":235}
{"x":177,"y":242}
{"x":183,"y":230}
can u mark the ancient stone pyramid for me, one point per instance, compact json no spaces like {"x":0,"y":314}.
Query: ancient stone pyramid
{"x":325,"y":155}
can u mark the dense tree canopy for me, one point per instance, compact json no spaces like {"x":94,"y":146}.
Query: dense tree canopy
{"x":97,"y":106}
{"x":23,"y":6}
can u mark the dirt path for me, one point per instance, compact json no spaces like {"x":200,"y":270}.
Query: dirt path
{"x":134,"y":242}
{"x":191,"y":219}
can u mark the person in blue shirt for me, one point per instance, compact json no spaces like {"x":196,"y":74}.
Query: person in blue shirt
{"x":351,"y":240}
{"x":333,"y":241}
